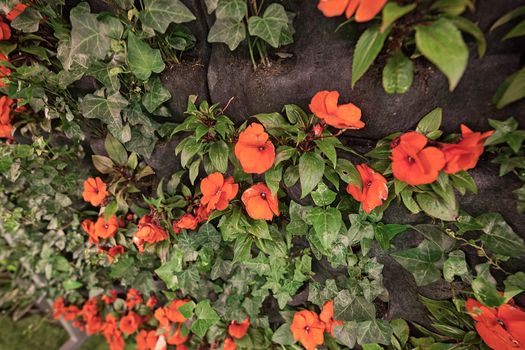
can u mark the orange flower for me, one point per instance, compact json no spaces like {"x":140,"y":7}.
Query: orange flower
{"x":181,"y":347}
{"x":177,"y":338}
{"x":59,"y":308}
{"x":374,"y":189}
{"x":6,"y":131}
{"x":307,"y":329}
{"x":110,"y":299}
{"x":347,"y":116}
{"x":4,"y":71}
{"x":114,"y":251}
{"x":148,"y":232}
{"x":161,"y":316}
{"x":5,"y":31}
{"x":202,"y":213}
{"x":327,"y":315}
{"x":89,"y":227}
{"x":217,"y":192}
{"x":229,"y":344}
{"x":414,"y":163}
{"x":150,"y":341}
{"x":133,"y":298}
{"x":15,"y":11}
{"x":187,"y":221}
{"x":172,"y":311}
{"x":151,"y":302}
{"x":94,"y":325}
{"x":254,"y":151}
{"x":259,"y":202}
{"x":238,"y":330}
{"x":95,"y":191}
{"x":130,"y":323}
{"x":500,"y":328}
{"x":366,"y":9}
{"x":106,"y":229}
{"x":5,"y":110}
{"x":464,"y":155}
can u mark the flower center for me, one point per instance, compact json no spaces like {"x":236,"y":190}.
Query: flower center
{"x":262,"y":148}
{"x":369,"y":184}
{"x":307,"y":329}
{"x":263,"y":195}
{"x":410,"y":159}
{"x":106,"y":226}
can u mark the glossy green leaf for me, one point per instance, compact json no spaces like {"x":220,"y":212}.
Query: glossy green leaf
{"x":499,"y":237}
{"x":430,"y":122}
{"x":511,"y":90}
{"x":392,"y":12}
{"x":472,"y":29}
{"x":206,"y":317}
{"x":311,"y":170}
{"x":218,"y":153}
{"x":116,"y":150}
{"x":398,"y":74}
{"x":368,"y":47}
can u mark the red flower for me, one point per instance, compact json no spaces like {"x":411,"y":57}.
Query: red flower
{"x":464,"y":155}
{"x":95,"y":191}
{"x":5,"y":109}
{"x":148,"y":232}
{"x":318,"y":129}
{"x":5,"y":31}
{"x":4,"y":71}
{"x":327,"y":315}
{"x":229,"y":344}
{"x":374,"y":189}
{"x":6,"y":131}
{"x":500,"y":328}
{"x":106,"y":229}
{"x":259,"y":202}
{"x":202,"y":213}
{"x":217,"y":192}
{"x":254,"y":151}
{"x":114,"y":251}
{"x":133,"y":298}
{"x":130,"y":323}
{"x":110,"y":299}
{"x":16,"y":11}
{"x":59,"y":308}
{"x":151,"y":302}
{"x":347,"y":116}
{"x":308,"y":329}
{"x":238,"y":330}
{"x":89,"y":227}
{"x":414,"y":163}
{"x":187,"y":221}
{"x":366,"y":9}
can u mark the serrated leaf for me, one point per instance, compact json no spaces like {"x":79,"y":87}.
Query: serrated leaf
{"x":441,"y":43}
{"x":473,"y":29}
{"x":398,"y":74}
{"x":158,"y":14}
{"x":392,"y":12}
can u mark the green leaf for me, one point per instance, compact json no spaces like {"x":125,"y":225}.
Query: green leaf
{"x":311,"y":170}
{"x":473,"y":29}
{"x":375,"y":331}
{"x":431,"y":122}
{"x":348,"y":307}
{"x":499,"y":237}
{"x":115,"y":150}
{"x":437,"y":206}
{"x":70,"y":284}
{"x":323,"y":196}
{"x":385,"y":233}
{"x":368,"y":47}
{"x":487,"y":293}
{"x":218,"y":154}
{"x":270,"y":25}
{"x":104,"y":165}
{"x":346,"y":334}
{"x":28,"y":21}
{"x":273,"y":178}
{"x":463,"y":182}
{"x":517,"y":31}
{"x":231,"y":9}
{"x":441,"y":43}
{"x":107,"y":109}
{"x":168,"y":271}
{"x":509,"y":16}
{"x":206,"y":317}
{"x":398,"y":74}
{"x":156,"y":94}
{"x":511,"y":90}
{"x":392,"y":12}
{"x":326,"y":223}
{"x":158,"y":14}
{"x":455,"y":265}
{"x":228,"y":31}
{"x":452,"y":7}
{"x":327,"y":146}
{"x":143,"y":60}
{"x":420,"y":262}
{"x":283,"y":335}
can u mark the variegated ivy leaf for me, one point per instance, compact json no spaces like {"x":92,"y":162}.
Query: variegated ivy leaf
{"x":143,"y":60}
{"x":156,"y":94}
{"x":227,"y":31}
{"x":105,"y":108}
{"x":270,"y":26}
{"x":158,"y":14}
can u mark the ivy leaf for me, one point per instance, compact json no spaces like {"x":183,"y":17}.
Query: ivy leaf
{"x":106,"y":73}
{"x":346,"y":334}
{"x":487,"y":293}
{"x":420,"y":262}
{"x":367,"y":48}
{"x":311,"y":170}
{"x":270,"y":25}
{"x":323,"y":196}
{"x":143,"y":60}
{"x":374,"y":331}
{"x":441,"y":43}
{"x":499,"y":237}
{"x":88,"y":36}
{"x":158,"y":14}
{"x":156,"y":94}
{"x":28,"y":21}
{"x":227,"y":31}
{"x":231,"y":9}
{"x":283,"y":335}
{"x":348,"y":307}
{"x":206,"y":317}
{"x":326,"y":223}
{"x":168,"y":271}
{"x":455,"y":265}
{"x":106,"y":109}
{"x":398,"y":74}
{"x":438,"y":207}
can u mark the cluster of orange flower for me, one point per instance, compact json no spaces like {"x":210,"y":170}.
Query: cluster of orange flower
{"x":170,"y":329}
{"x":6,"y":104}
{"x":308,"y":328}
{"x":501,"y":328}
{"x":364,"y":10}
{"x":415,"y":159}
